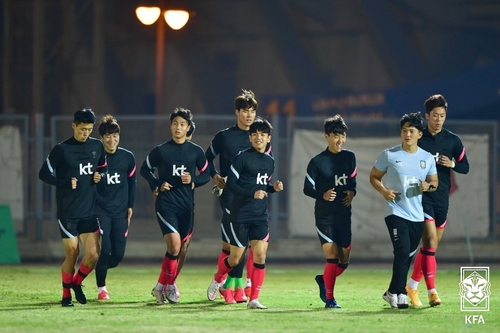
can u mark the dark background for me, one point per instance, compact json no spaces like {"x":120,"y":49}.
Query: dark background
{"x":373,"y":58}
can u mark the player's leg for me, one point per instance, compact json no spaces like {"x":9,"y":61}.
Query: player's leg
{"x":249,"y":269}
{"x":399,"y":233}
{"x":101,"y":268}
{"x":238,"y":241}
{"x":90,"y":236}
{"x":69,"y":237}
{"x":168,"y":223}
{"x":259,"y":271}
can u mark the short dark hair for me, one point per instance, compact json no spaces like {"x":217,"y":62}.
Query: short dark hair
{"x":183,"y":113}
{"x":108,"y":125}
{"x":246,"y":101}
{"x":335,"y":124}
{"x":84,"y":116}
{"x":435,"y":101}
{"x":415,"y":119}
{"x":191,"y":129}
{"x":261,"y":125}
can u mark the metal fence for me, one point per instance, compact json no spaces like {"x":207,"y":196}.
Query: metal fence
{"x":141,"y":134}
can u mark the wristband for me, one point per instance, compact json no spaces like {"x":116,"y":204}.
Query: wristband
{"x":452,"y":164}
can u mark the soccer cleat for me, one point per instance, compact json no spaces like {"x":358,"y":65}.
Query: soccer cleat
{"x":66,"y":301}
{"x":212,"y":290}
{"x":321,"y":285}
{"x":171,"y":294}
{"x":255,"y":305}
{"x":402,"y":301}
{"x":80,"y":296}
{"x":332,"y":304}
{"x":177,"y":290}
{"x":239,"y":295}
{"x":413,"y":295}
{"x":159,"y":295}
{"x":434,"y":299}
{"x":228,"y":295}
{"x":392,"y":299}
{"x":103,"y":296}
{"x":248,"y":291}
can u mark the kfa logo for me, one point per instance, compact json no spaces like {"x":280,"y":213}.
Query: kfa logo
{"x":342,"y":180}
{"x":113,"y":179}
{"x":262,"y":179}
{"x":178,"y":171}
{"x":85,"y":169}
{"x":475,"y":289}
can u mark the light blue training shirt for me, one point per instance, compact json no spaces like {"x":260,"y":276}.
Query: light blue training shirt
{"x":403,"y":174}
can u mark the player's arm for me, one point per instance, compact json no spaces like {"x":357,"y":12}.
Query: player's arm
{"x":460,"y":163}
{"x":376,"y":181}
{"x":46,"y":173}
{"x":211,"y":153}
{"x":132,"y":183}
{"x":430,"y":184}
{"x":350,"y":192}
{"x":310,"y":179}
{"x":233,"y":176}
{"x":148,"y":168}
{"x":203,"y":176}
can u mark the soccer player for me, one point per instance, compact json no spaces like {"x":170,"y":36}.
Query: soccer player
{"x":115,"y":201}
{"x":331,"y":180}
{"x":250,"y":181}
{"x":449,"y":153}
{"x":176,"y":161}
{"x":410,"y":172}
{"x":227,"y":143}
{"x":74,"y":166}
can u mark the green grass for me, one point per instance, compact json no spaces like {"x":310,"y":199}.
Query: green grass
{"x":30,"y":302}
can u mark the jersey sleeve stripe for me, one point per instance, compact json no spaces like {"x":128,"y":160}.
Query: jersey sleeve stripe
{"x":461,"y":156}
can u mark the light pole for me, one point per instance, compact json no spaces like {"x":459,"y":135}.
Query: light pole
{"x":176,"y":19}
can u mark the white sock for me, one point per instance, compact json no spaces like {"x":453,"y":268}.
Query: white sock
{"x":249,"y":283}
{"x":430,"y":291}
{"x":159,"y":286}
{"x":101,"y":289}
{"x":413,"y":284}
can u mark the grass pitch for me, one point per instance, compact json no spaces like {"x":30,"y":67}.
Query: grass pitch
{"x":30,"y":302}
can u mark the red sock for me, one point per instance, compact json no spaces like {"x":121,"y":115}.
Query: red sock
{"x":329,"y":277}
{"x":162,"y":279}
{"x":82,"y":273}
{"x":417,"y":267}
{"x":169,"y":269}
{"x":249,"y":265}
{"x":340,"y":269}
{"x":220,"y":262}
{"x":429,"y":267}
{"x":258,"y":274}
{"x":222,"y":269}
{"x":67,"y":279}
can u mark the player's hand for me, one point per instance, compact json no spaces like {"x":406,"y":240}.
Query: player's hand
{"x":220,"y":182}
{"x":424,"y":186}
{"x":186,"y":178}
{"x":278,"y":186}
{"x":73,"y":183}
{"x":260,"y":194}
{"x":130,"y":212}
{"x":97,"y":177}
{"x":330,"y":195}
{"x":165,"y":187}
{"x":349,"y":195}
{"x":390,"y":195}
{"x":155,"y":192}
{"x":445,"y":161}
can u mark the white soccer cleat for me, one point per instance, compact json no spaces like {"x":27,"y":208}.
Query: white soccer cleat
{"x":171,"y":294}
{"x":402,"y":301}
{"x":392,"y":299}
{"x":212,"y":290}
{"x":255,"y":305}
{"x":159,"y":295}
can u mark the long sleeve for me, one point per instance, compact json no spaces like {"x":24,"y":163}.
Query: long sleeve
{"x":46,"y":173}
{"x":461,"y":162}
{"x":149,"y":166}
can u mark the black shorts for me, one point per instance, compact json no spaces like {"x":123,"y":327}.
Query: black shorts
{"x":243,"y":232}
{"x":175,"y":222}
{"x":70,"y":228}
{"x":335,"y":228}
{"x":436,"y":213}
{"x":225,"y":225}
